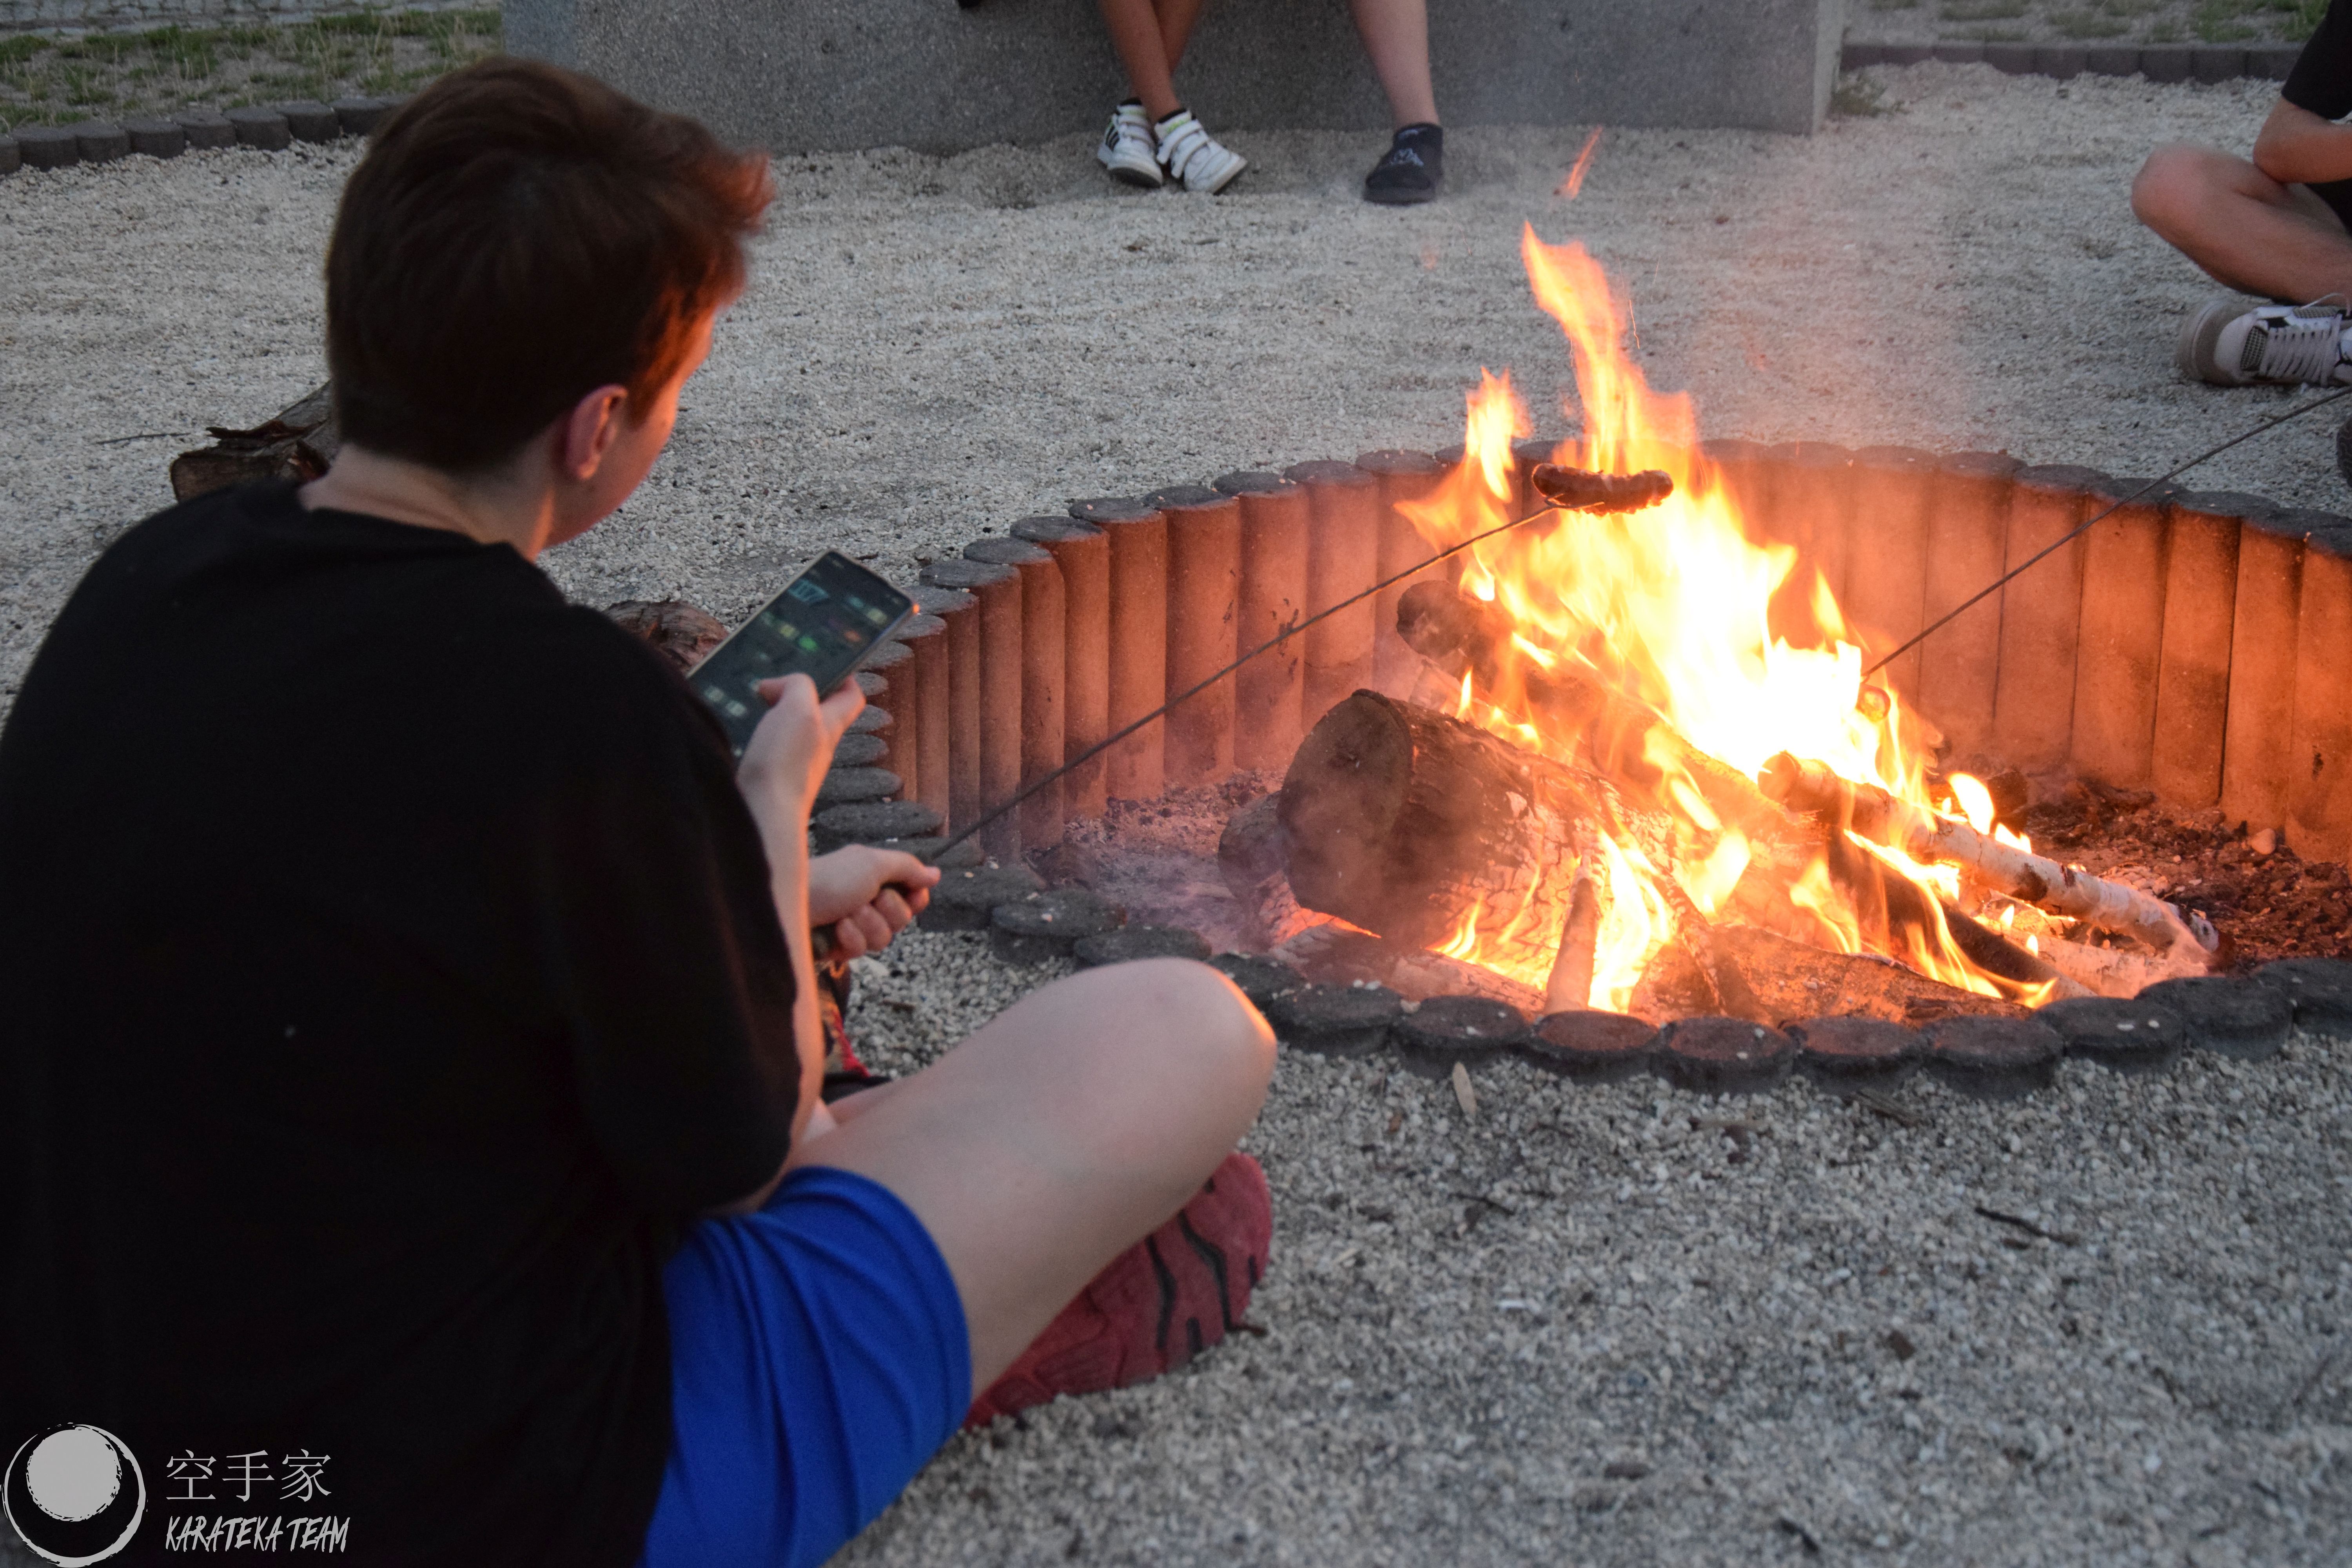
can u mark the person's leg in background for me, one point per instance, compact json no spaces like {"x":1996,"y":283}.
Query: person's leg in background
{"x":1396,"y":37}
{"x":2249,"y":232}
{"x":1152,"y":136}
{"x":2246,"y":230}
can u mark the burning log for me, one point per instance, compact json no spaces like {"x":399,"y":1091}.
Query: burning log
{"x":1729,"y":992}
{"x":1406,"y":822}
{"x":1570,"y":987}
{"x":1895,"y":911}
{"x":1617,"y":736}
{"x":2021,"y":875}
{"x":1332,"y":953}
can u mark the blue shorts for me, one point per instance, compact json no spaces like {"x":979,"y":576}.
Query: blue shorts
{"x":818,"y":1359}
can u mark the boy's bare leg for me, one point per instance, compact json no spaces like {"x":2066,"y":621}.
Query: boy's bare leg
{"x":1143,"y":52}
{"x":2247,"y":231}
{"x":1065,"y":1130}
{"x":1396,"y":36}
{"x":1176,"y":19}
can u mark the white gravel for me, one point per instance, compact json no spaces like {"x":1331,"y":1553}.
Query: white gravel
{"x":1468,"y":1323}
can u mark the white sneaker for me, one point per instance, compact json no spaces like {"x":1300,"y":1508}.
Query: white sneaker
{"x":1126,"y":148}
{"x":1194,"y":158}
{"x":2230,"y":345}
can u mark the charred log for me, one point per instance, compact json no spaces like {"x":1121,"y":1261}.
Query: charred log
{"x":1405,"y":822}
{"x":298,"y":445}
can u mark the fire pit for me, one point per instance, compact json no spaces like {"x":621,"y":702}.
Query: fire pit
{"x":1616,"y":790}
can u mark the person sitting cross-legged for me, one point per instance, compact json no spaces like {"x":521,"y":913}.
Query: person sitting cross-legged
{"x":2277,"y":224}
{"x":412,"y":1054}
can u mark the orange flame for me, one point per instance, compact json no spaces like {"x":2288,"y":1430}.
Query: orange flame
{"x":1667,"y":608}
{"x":1573,"y":186}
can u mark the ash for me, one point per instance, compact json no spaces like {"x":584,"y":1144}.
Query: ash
{"x":1159,"y":857}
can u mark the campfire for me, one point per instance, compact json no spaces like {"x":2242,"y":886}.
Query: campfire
{"x":1636,"y":765}
{"x":1722,"y":733}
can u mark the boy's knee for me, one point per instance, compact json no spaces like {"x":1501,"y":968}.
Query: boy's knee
{"x":2173,"y":181}
{"x":1199,"y":1012}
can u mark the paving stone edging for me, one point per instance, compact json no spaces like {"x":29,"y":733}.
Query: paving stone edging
{"x":2157,"y":62}
{"x":270,"y":128}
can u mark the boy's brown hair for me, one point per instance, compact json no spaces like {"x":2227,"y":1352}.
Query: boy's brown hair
{"x":519,"y":236}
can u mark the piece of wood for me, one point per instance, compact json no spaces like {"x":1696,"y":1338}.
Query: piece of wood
{"x":1270,"y":690}
{"x":984,"y":689}
{"x":1404,"y":480}
{"x":1343,"y":554}
{"x":2201,"y":600}
{"x":921,"y":706}
{"x":2018,"y":873}
{"x":1570,"y":986}
{"x":1621,"y":739}
{"x":1205,"y":563}
{"x":2258,"y":742}
{"x":1887,"y":562}
{"x":2320,"y":812}
{"x":2122,"y":638}
{"x":1044,"y":653}
{"x":958,"y":684}
{"x":895,"y":662}
{"x":1405,"y":822}
{"x":2041,"y":617}
{"x":1808,"y":491}
{"x":1333,"y":953}
{"x":1968,"y":542}
{"x":682,"y":632}
{"x":1135,"y":769}
{"x":298,"y":444}
{"x":1795,"y":980}
{"x":1082,"y":550}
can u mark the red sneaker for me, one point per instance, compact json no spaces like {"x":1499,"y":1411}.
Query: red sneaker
{"x":1158,"y":1305}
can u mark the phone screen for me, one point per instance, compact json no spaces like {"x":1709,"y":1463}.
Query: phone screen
{"x":826,"y":622}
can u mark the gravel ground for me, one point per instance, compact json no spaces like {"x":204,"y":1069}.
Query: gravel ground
{"x":1575,"y":1327}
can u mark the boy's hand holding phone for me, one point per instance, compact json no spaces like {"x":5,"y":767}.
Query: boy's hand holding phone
{"x":792,"y":746}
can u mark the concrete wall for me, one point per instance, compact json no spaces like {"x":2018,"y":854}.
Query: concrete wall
{"x":806,"y":75}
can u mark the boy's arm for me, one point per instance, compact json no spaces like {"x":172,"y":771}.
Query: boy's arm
{"x":2297,"y":147}
{"x":781,"y":771}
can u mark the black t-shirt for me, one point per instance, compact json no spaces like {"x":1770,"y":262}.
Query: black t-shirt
{"x":389,"y":971}
{"x":2321,"y":80}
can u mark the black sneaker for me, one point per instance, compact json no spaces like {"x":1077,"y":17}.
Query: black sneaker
{"x":1413,"y":169}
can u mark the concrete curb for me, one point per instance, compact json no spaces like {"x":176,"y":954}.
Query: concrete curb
{"x":2158,"y":62}
{"x":270,"y":129}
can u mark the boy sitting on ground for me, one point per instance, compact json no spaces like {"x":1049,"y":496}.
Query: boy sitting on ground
{"x":2278,"y":226}
{"x":413,"y":1051}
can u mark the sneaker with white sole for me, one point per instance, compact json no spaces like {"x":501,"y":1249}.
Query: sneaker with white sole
{"x":2277,"y":345}
{"x":1193,"y":157}
{"x":1126,"y":148}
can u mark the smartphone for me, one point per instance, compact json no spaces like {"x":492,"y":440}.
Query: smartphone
{"x":828,"y":620}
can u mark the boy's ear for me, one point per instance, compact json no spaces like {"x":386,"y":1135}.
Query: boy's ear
{"x":589,"y":430}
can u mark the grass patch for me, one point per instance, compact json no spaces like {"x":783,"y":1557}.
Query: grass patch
{"x":2088,"y":24}
{"x":58,"y":80}
{"x":1982,"y":10}
{"x":1855,"y":98}
{"x":2233,"y":21}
